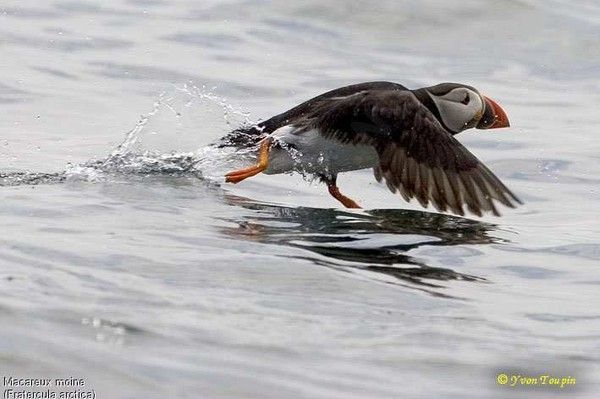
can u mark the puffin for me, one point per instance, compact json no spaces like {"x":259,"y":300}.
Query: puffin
{"x":406,"y":136}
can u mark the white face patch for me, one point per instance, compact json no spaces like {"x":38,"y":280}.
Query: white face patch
{"x":459,"y":109}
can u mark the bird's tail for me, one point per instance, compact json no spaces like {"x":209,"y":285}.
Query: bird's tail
{"x":242,"y":137}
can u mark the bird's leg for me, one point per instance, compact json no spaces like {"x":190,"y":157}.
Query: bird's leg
{"x":347,"y":202}
{"x":263,"y":163}
{"x":335,"y":193}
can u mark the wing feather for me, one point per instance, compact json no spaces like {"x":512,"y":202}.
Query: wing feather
{"x":418,"y":158}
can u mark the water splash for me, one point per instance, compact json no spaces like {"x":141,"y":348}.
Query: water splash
{"x":30,"y":178}
{"x":174,"y":138}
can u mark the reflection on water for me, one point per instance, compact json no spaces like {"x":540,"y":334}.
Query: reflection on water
{"x":378,"y":241}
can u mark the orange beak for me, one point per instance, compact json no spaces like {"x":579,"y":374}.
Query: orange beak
{"x":493,"y":117}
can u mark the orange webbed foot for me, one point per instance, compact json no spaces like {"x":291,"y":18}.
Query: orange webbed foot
{"x":263,"y":163}
{"x":347,"y":202}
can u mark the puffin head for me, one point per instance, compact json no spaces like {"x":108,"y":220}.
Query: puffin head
{"x":459,"y":107}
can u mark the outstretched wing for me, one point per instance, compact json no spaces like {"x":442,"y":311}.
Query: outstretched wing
{"x":417,"y":157}
{"x":250,"y":136}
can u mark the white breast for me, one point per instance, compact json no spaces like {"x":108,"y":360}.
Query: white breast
{"x":310,"y":152}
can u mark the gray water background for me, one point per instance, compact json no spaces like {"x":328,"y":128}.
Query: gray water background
{"x":126,"y":261}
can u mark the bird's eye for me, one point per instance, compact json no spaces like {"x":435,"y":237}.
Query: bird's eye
{"x":466,"y":100}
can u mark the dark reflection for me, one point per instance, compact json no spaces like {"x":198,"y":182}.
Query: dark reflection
{"x":377,"y":241}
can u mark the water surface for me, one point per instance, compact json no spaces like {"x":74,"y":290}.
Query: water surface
{"x":125,"y":259}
